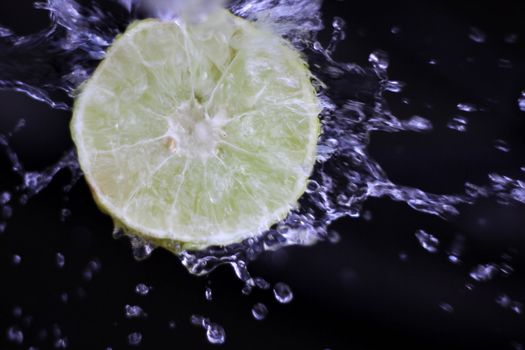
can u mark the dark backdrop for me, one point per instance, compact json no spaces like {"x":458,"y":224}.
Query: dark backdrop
{"x":356,"y":294}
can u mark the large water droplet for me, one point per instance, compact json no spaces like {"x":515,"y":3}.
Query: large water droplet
{"x":259,"y":311}
{"x":15,"y":335}
{"x":282,"y":293}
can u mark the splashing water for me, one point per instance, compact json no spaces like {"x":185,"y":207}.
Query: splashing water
{"x":49,"y":66}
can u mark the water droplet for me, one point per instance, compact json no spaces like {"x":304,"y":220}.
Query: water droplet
{"x":134,"y":311}
{"x":458,"y":123}
{"x":60,"y":260}
{"x":61,"y":343}
{"x":312,"y":186}
{"x":208,"y":294}
{"x":172,"y":325}
{"x":433,"y":61}
{"x":134,"y":339}
{"x":417,"y":123}
{"x":64,"y":297}
{"x":142,"y":289}
{"x":403,"y":256}
{"x":394,"y":86}
{"x":446,"y":307}
{"x":261,"y":283}
{"x":379,"y":60}
{"x":429,"y":242}
{"x":467,"y":107}
{"x":395,"y":30}
{"x":484,"y":272}
{"x":338,"y":23}
{"x":215,"y":334}
{"x":282,"y":293}
{"x":15,"y":335}
{"x":521,"y":101}
{"x":16,"y":259}
{"x":477,"y":35}
{"x":501,"y":145}
{"x":17,"y":311}
{"x":504,"y":63}
{"x":140,"y":248}
{"x":65,"y":213}
{"x":511,"y":38}
{"x":454,"y":259}
{"x":7,"y":212}
{"x":259,"y":311}
{"x":506,"y":302}
{"x":5,"y":197}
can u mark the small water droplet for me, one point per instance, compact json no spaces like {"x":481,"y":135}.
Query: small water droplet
{"x":134,"y":339}
{"x":15,"y":335}
{"x":504,"y":63}
{"x":259,"y":311}
{"x":172,"y":325}
{"x":60,"y":260}
{"x":511,"y":38}
{"x":134,"y":311}
{"x":484,"y":272}
{"x":61,"y":343}
{"x":142,"y":289}
{"x":7,"y":212}
{"x":395,"y":30}
{"x":501,"y":145}
{"x":338,"y":23}
{"x":458,"y":123}
{"x":208,"y":294}
{"x":16,"y":259}
{"x":379,"y":60}
{"x":446,"y":307}
{"x":428,"y":241}
{"x":17,"y":311}
{"x":467,"y":107}
{"x":453,"y":259}
{"x":215,"y":334}
{"x":433,"y":61}
{"x":403,"y":256}
{"x":312,"y":186}
{"x":261,"y":283}
{"x":477,"y":35}
{"x":394,"y":86}
{"x":282,"y":293}
{"x":417,"y":123}
{"x":5,"y":197}
{"x":64,"y":297}
{"x":521,"y":101}
{"x":65,"y":213}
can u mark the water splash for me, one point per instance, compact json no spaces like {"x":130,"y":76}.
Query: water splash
{"x":51,"y":65}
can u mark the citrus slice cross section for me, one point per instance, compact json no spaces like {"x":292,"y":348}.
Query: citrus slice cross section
{"x":197,"y":134}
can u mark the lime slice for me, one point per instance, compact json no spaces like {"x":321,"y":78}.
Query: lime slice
{"x":197,"y":134}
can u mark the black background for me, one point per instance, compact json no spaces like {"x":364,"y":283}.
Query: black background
{"x":356,"y":294}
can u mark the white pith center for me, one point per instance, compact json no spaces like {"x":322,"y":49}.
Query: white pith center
{"x":193,"y":133}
